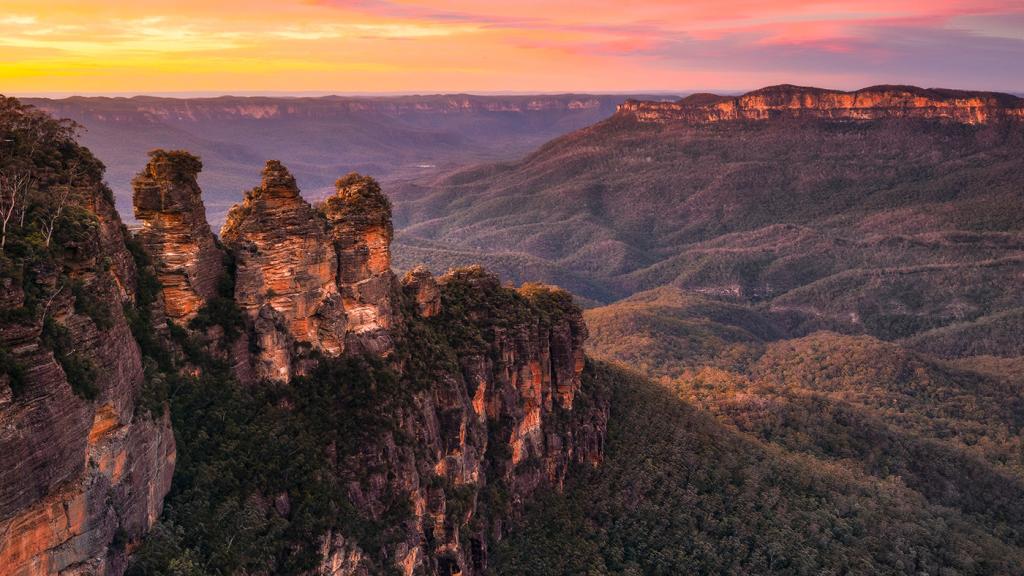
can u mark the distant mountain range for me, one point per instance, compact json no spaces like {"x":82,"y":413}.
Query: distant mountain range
{"x":809,"y":196}
{"x":320,"y":138}
{"x":833,"y":277}
{"x":804,"y":336}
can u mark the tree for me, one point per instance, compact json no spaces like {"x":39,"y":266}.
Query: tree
{"x":64,"y":192}
{"x":14,"y":185}
{"x":29,"y":139}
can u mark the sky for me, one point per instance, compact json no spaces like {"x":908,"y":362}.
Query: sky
{"x":412,"y":46}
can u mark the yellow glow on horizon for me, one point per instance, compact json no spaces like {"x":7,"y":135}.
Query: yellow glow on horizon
{"x":459,"y":45}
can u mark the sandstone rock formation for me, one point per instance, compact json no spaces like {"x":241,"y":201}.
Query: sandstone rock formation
{"x":418,"y":433}
{"x":169,"y":205}
{"x":286,"y":275}
{"x":876,"y":102}
{"x":420,"y":284}
{"x":310,"y":278}
{"x":359,"y":216}
{"x":488,"y":434}
{"x":493,"y":418}
{"x":83,"y":471}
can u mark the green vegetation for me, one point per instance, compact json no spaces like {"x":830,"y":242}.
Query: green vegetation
{"x":359,"y":199}
{"x":13,"y":370}
{"x":47,"y":185}
{"x":261,"y":471}
{"x":946,"y":436}
{"x":476,"y":310}
{"x":890,"y":228}
{"x":253,"y":488}
{"x":679,"y":493}
{"x":79,"y":370}
{"x":87,"y":304}
{"x":663,"y":332}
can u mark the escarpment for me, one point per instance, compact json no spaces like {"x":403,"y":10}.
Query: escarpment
{"x":84,"y":465}
{"x":874,"y":103}
{"x":477,"y":399}
{"x":501,"y":422}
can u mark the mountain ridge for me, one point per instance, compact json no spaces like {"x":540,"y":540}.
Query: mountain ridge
{"x":870,"y":103}
{"x":391,"y":137}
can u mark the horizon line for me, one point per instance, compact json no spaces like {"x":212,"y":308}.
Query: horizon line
{"x":355,"y":94}
{"x":195,"y":94}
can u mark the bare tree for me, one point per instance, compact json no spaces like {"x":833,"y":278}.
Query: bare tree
{"x":50,"y":222}
{"x":14,"y":185}
{"x":49,"y":301}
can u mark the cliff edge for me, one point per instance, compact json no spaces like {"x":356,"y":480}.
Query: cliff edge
{"x":873,"y":103}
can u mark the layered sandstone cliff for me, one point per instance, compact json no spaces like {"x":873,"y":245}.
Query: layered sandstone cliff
{"x":421,"y":286}
{"x":359,"y":219}
{"x":500,"y":424}
{"x":83,"y":470}
{"x":492,"y":375}
{"x":169,"y":205}
{"x":876,"y":102}
{"x":286,"y":274}
{"x":312,"y":278}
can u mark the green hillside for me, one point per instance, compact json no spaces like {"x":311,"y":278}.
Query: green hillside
{"x":681,"y":493}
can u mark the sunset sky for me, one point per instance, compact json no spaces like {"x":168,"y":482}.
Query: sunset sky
{"x":362,"y":46}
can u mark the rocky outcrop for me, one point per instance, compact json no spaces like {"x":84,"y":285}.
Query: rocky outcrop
{"x":169,"y":205}
{"x":286,"y":274}
{"x":491,"y":401}
{"x":874,"y":103}
{"x":83,"y":470}
{"x":359,"y":217}
{"x":423,"y":413}
{"x":502,"y":424}
{"x":313,"y":278}
{"x":420,"y":285}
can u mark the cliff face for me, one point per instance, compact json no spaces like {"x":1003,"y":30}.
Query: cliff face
{"x":359,"y":219}
{"x":420,"y":285}
{"x":286,"y":274}
{"x":489,"y":432}
{"x":313,"y":278}
{"x":872,"y":103}
{"x":83,"y":470}
{"x":320,"y":108}
{"x":490,"y":376}
{"x":169,"y":205}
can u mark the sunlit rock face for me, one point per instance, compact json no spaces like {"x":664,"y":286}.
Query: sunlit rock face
{"x":498,"y":413}
{"x":81,"y":479}
{"x":169,"y":205}
{"x":874,"y":103}
{"x":359,"y":220}
{"x":286,"y":270}
{"x":420,"y":284}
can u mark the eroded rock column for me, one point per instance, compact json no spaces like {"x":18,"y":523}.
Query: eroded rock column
{"x":359,"y":219}
{"x":286,"y":273}
{"x":169,"y":204}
